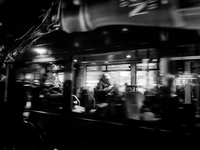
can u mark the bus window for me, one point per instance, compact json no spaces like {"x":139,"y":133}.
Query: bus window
{"x":148,"y":87}
{"x":91,"y":92}
{"x":147,"y":75}
{"x":42,"y":82}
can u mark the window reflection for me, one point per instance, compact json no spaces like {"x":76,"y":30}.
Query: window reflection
{"x":156,"y":88}
{"x":43,"y":82}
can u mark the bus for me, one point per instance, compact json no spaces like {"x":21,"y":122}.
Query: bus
{"x":154,"y":73}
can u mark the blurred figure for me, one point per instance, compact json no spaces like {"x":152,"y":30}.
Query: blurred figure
{"x":53,"y":81}
{"x":161,"y":103}
{"x":105,"y":94}
{"x":104,"y":88}
{"x":168,"y":88}
{"x":169,"y":101}
{"x":52,"y":77}
{"x":48,"y":94}
{"x":51,"y":90}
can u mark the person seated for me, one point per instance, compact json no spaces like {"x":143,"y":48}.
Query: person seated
{"x":51,"y":91}
{"x":104,"y":93}
{"x":104,"y":89}
{"x":53,"y":81}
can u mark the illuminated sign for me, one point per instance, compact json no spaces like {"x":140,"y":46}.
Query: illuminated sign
{"x":138,"y":7}
{"x":156,"y":13}
{"x":116,"y":12}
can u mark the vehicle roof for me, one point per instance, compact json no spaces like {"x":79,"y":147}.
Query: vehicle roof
{"x":110,"y":37}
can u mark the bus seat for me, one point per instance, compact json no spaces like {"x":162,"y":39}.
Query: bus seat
{"x":99,"y":96}
{"x":86,"y":98}
{"x":133,"y":104}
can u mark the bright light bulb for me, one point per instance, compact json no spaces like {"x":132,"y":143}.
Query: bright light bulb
{"x":124,"y":29}
{"x":128,"y":56}
{"x":40,"y":51}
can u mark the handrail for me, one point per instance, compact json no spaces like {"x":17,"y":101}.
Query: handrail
{"x":93,"y":100}
{"x":79,"y":103}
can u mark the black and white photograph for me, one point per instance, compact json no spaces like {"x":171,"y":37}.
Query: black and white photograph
{"x":99,"y":74}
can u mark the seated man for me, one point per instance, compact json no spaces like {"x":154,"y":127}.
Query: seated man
{"x":104,"y":93}
{"x":104,"y":89}
{"x":50,"y":89}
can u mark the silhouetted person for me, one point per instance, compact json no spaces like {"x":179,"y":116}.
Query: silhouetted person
{"x":169,"y":102}
{"x":50,"y":89}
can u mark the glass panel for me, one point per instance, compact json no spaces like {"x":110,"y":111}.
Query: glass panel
{"x":142,"y":66}
{"x":146,"y":80}
{"x":142,"y":53}
{"x":42,"y":85}
{"x":92,"y":78}
{"x":119,"y":78}
{"x":166,"y":92}
{"x":93,"y":90}
{"x":153,"y":53}
{"x":96,"y":68}
{"x":118,"y":67}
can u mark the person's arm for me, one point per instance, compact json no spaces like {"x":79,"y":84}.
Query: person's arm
{"x":99,"y":87}
{"x":52,"y":97}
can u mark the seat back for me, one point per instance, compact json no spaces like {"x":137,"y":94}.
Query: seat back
{"x":133,"y":104}
{"x":99,"y":96}
{"x":86,"y":98}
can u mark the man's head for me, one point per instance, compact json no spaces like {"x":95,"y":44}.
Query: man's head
{"x":106,"y":76}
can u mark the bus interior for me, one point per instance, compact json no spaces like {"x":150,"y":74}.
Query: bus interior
{"x":138,"y":75}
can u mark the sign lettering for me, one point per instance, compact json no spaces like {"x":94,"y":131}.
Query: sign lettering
{"x":140,"y":7}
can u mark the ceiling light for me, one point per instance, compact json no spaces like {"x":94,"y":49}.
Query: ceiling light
{"x":124,"y":29}
{"x":128,"y":56}
{"x":76,"y":2}
{"x":40,"y":51}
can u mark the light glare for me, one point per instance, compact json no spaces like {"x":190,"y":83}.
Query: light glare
{"x":40,"y":51}
{"x":128,"y":56}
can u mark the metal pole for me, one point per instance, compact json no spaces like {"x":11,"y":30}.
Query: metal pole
{"x":6,"y":84}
